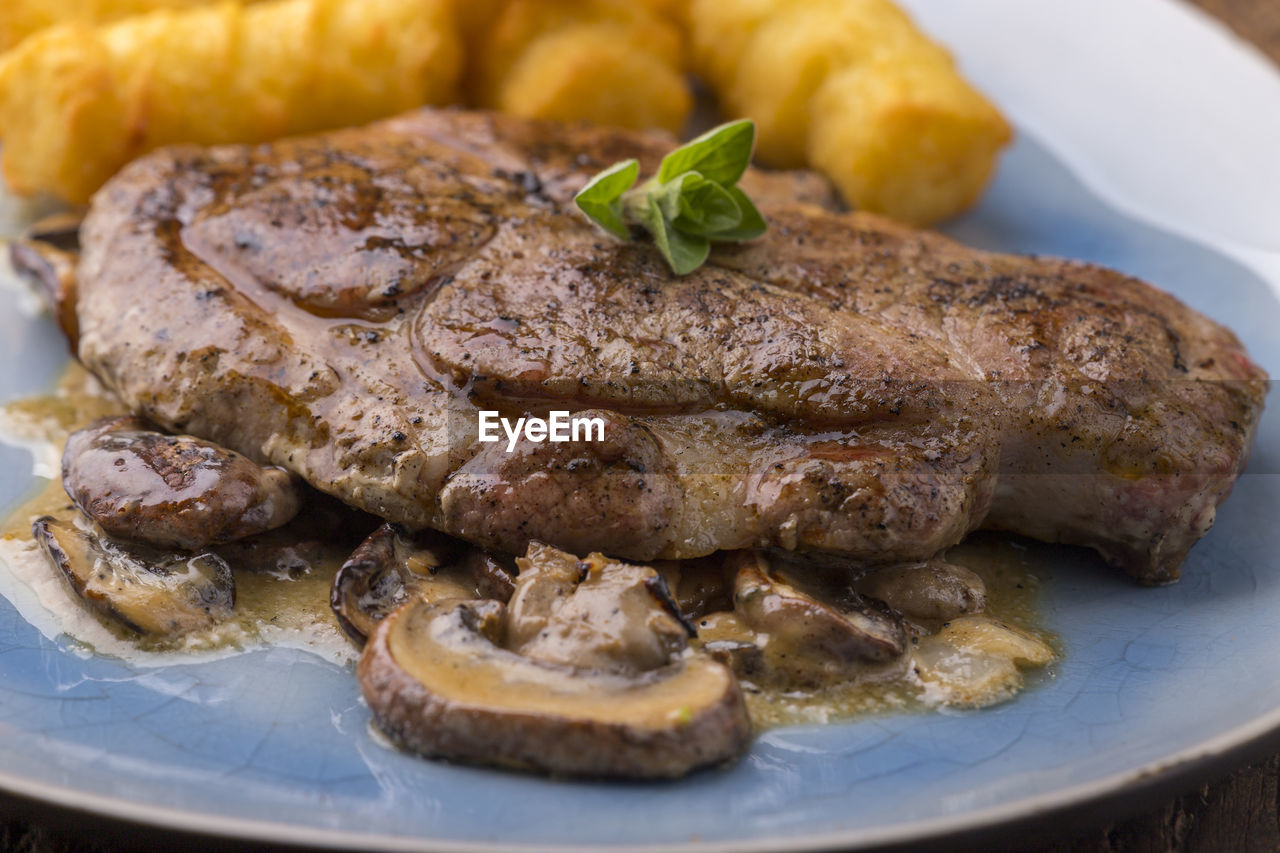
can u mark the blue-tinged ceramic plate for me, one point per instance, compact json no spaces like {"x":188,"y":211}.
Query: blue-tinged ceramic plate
{"x":1144,"y":146}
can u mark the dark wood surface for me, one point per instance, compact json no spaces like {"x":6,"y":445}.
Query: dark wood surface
{"x":1236,"y":812}
{"x":1257,"y":21}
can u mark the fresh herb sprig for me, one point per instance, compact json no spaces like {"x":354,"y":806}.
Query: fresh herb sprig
{"x":692,"y":202}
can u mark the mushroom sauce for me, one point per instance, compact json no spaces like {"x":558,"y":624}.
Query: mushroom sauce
{"x":282,"y":600}
{"x":283,"y":579}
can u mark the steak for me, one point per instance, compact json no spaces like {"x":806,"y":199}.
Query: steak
{"x":844,"y":388}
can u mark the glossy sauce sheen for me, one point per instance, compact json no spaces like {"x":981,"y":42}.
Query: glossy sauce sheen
{"x":885,"y":391}
{"x":1006,"y":565}
{"x":290,"y":607}
{"x":286,"y":606}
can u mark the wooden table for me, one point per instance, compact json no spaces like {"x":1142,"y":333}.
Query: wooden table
{"x":1256,"y":20}
{"x":1239,"y":812}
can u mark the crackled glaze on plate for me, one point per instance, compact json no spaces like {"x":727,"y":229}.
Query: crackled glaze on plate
{"x":275,"y":744}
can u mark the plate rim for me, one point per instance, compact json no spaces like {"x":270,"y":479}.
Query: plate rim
{"x":1136,"y":784}
{"x":1121,"y":791}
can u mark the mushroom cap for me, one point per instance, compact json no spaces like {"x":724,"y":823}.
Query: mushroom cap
{"x":975,"y":661}
{"x":46,"y":258}
{"x":172,"y":491}
{"x":933,"y":590}
{"x":151,"y":592}
{"x":593,"y":612}
{"x":806,"y":641}
{"x":439,"y":683}
{"x":700,"y":585}
{"x":393,"y":565}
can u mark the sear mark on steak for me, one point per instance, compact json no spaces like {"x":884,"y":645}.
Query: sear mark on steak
{"x":372,"y":238}
{"x":843,"y":387}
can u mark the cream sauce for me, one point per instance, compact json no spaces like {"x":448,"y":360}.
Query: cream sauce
{"x":287,"y":604}
{"x":1006,"y":565}
{"x":283,"y":603}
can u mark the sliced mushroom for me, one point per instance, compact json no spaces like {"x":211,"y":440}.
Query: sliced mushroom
{"x":492,"y":576}
{"x":172,"y":491}
{"x":393,"y":565}
{"x":726,"y":637}
{"x":325,"y":531}
{"x":976,"y":660}
{"x":808,"y":641}
{"x":700,"y":586}
{"x":46,"y":258}
{"x":933,"y":590}
{"x":59,"y":230}
{"x":439,"y":682}
{"x":594,"y":612}
{"x":157,"y":594}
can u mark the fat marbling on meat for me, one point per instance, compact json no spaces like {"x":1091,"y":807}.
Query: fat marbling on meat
{"x":344,"y":305}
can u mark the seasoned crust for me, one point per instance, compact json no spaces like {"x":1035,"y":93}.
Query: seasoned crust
{"x":1060,"y":400}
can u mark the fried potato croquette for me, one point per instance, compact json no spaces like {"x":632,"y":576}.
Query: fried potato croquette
{"x":921,"y":146}
{"x":608,"y":61}
{"x":77,"y":102}
{"x":852,"y":88}
{"x":673,"y":10}
{"x":21,"y":18}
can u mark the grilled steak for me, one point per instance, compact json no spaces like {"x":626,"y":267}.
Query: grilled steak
{"x":344,"y":305}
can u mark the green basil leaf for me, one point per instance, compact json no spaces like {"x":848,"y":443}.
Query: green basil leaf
{"x":684,"y":253}
{"x":750,"y":227}
{"x":601,"y":198}
{"x":719,"y":155}
{"x":707,"y":208}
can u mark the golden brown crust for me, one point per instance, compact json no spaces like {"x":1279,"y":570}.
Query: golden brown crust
{"x":78,"y":101}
